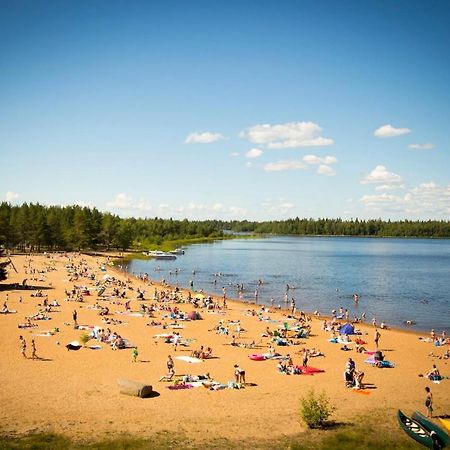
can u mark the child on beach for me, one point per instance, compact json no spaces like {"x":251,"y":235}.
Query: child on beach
{"x":134,"y":354}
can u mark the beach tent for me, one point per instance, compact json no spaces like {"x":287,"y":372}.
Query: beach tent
{"x":347,"y":329}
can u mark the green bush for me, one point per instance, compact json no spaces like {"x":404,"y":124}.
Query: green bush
{"x":84,"y":338}
{"x":315,"y":410}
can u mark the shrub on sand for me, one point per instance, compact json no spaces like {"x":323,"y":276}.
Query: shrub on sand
{"x":315,"y":409}
{"x":84,"y":338}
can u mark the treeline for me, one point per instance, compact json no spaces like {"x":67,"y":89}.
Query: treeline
{"x":36,"y":227}
{"x":339,"y":227}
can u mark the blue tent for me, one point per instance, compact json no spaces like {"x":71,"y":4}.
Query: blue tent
{"x":347,"y":329}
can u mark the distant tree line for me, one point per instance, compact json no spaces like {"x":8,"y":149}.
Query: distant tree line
{"x":36,"y":227}
{"x":339,"y":227}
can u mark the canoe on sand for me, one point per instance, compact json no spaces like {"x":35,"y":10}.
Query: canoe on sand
{"x":415,"y":430}
{"x":431,"y":426}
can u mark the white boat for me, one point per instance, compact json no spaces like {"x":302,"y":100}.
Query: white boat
{"x":158,"y":254}
{"x":177,"y":251}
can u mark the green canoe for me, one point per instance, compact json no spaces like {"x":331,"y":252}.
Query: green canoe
{"x":431,"y":426}
{"x":415,"y":430}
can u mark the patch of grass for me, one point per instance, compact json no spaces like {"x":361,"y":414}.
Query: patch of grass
{"x":39,"y":441}
{"x":377,"y":431}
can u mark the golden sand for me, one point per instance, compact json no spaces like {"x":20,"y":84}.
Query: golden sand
{"x":75,"y":392}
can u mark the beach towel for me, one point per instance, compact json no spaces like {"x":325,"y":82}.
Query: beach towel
{"x":257,"y":357}
{"x":308,"y":370}
{"x":189,"y":359}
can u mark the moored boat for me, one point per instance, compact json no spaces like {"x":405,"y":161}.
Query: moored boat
{"x":415,"y":430}
{"x":177,"y":251}
{"x":158,"y":254}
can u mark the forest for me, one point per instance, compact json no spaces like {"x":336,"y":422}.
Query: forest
{"x":35,"y":227}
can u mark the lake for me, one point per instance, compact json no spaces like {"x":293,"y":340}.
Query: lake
{"x":396,"y":279}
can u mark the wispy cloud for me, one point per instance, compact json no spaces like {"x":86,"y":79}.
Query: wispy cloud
{"x":285,"y":165}
{"x":313,"y":159}
{"x":205,"y":137}
{"x":234,"y":154}
{"x":11,"y":196}
{"x":427,"y":200}
{"x":426,"y":146}
{"x":387,"y":131}
{"x":326,"y":170}
{"x":302,"y":164}
{"x":288,"y":135}
{"x":254,"y":153}
{"x":380,"y":175}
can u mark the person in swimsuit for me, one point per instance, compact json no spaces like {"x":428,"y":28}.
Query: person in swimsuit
{"x":429,"y":402}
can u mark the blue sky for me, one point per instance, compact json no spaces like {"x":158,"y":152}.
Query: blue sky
{"x":228,"y":109}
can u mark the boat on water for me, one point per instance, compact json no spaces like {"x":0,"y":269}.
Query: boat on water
{"x":415,"y":430}
{"x":177,"y":251}
{"x":158,"y":254}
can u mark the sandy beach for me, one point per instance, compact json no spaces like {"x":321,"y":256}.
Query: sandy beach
{"x":75,"y":392}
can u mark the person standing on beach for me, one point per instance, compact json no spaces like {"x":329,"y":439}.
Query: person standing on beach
{"x":33,"y":350}
{"x":429,"y":402}
{"x":376,"y":337}
{"x":23,"y":346}
{"x":170,"y":365}
{"x":74,"y":317}
{"x":134,"y":354}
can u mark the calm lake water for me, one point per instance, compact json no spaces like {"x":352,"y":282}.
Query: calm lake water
{"x":396,"y":279}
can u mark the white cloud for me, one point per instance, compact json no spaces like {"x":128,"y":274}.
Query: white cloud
{"x":389,"y":187}
{"x":254,"y":153}
{"x":313,"y":159}
{"x":326,"y":170}
{"x":276,"y":208}
{"x":288,"y":135}
{"x":387,"y":131}
{"x":380,"y":175}
{"x":425,"y":201}
{"x":121,"y":201}
{"x":205,"y":137}
{"x":284,"y":165}
{"x":426,"y":146}
{"x":11,"y":196}
{"x":234,"y":154}
{"x":248,"y":164}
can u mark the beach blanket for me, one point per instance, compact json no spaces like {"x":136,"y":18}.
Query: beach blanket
{"x":189,"y":359}
{"x":10,"y":311}
{"x":381,"y":364}
{"x":308,"y":370}
{"x":95,"y":347}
